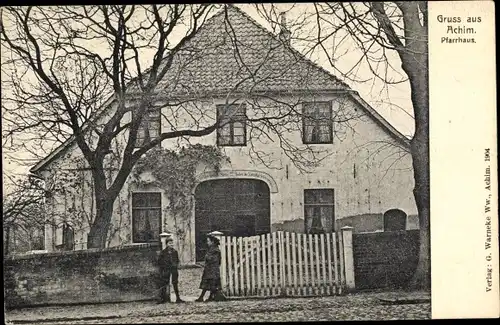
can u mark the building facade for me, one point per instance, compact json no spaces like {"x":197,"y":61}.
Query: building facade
{"x":334,"y":162}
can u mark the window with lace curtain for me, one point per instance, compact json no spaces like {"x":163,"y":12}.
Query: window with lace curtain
{"x":317,"y":123}
{"x":146,"y":217}
{"x":319,"y":211}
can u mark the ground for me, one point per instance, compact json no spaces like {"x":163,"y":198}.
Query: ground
{"x":360,"y":306}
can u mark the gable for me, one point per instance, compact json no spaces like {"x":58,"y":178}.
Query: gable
{"x":380,"y":121}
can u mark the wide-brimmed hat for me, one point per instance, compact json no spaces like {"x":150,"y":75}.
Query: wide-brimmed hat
{"x":167,"y":236}
{"x":214,"y":236}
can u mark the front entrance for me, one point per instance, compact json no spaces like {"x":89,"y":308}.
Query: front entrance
{"x":237,"y":207}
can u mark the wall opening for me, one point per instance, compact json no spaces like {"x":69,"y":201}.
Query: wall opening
{"x":395,"y":220}
{"x":237,"y":207}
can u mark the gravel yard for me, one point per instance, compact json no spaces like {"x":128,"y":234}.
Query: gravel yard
{"x":361,"y":306}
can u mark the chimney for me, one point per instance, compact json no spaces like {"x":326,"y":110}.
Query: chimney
{"x":284,"y":34}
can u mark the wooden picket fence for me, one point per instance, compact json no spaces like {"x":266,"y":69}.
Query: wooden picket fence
{"x":282,"y":264}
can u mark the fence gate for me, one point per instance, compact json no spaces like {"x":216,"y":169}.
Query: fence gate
{"x":282,"y":264}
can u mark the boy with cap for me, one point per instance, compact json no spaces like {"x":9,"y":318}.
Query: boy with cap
{"x":168,"y":261}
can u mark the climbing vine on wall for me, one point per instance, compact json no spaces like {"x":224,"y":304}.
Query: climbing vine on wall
{"x":175,"y":173}
{"x":70,"y":183}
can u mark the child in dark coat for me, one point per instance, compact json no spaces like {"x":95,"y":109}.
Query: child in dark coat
{"x":168,"y":262}
{"x":210,"y":280}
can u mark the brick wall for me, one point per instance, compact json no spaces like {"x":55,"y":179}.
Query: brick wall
{"x":385,"y":259}
{"x":89,"y":276}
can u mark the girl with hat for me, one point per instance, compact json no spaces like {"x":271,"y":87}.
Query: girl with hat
{"x":210,"y":280}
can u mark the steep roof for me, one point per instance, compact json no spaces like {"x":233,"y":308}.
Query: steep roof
{"x":231,"y":52}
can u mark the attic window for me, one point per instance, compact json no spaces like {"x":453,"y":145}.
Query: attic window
{"x":149,"y":128}
{"x":232,"y":131}
{"x":317,"y":123}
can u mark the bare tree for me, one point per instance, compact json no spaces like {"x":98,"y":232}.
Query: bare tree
{"x":379,"y":30}
{"x":70,"y":78}
{"x":76,"y":74}
{"x":23,"y":215}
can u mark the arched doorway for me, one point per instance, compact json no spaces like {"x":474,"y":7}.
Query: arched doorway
{"x":237,"y":207}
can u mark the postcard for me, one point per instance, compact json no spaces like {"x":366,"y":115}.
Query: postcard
{"x":249,"y":162}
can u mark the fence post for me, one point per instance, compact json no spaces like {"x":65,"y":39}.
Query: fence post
{"x":348,"y":258}
{"x":282,"y":264}
{"x":223,"y":264}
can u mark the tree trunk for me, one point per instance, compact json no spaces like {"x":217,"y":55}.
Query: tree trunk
{"x":417,"y":70}
{"x":99,"y":229}
{"x":415,"y":62}
{"x":419,"y":150}
{"x":6,"y":241}
{"x":413,"y":51}
{"x":105,"y":198}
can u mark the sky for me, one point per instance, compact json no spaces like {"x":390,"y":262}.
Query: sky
{"x":391,"y":101}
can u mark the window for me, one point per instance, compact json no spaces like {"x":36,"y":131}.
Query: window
{"x":319,"y":211}
{"x":65,"y":237}
{"x":317,"y":123}
{"x":146,"y":217}
{"x":149,"y":128}
{"x":38,"y":239}
{"x":232,"y":131}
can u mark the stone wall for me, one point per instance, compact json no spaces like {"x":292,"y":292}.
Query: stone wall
{"x":89,"y":276}
{"x":381,"y":260}
{"x":385,"y":259}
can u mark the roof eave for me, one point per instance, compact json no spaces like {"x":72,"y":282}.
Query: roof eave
{"x":381,"y":120}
